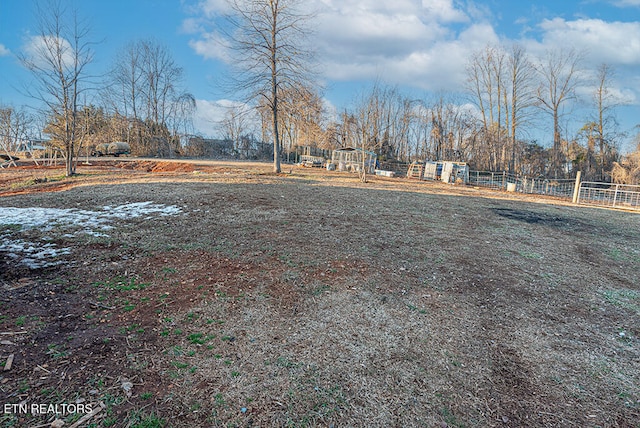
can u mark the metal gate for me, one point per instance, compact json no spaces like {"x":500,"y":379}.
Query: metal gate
{"x":609,"y":195}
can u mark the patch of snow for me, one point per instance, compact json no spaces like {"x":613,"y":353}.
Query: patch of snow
{"x":138,"y":209}
{"x":72,"y":222}
{"x":32,"y":255}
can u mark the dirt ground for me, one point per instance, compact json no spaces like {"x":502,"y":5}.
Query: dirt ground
{"x":310,"y":299}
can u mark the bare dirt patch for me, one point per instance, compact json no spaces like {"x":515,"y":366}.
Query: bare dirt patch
{"x":311,"y":299}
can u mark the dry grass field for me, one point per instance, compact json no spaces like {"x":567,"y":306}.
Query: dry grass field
{"x":221,"y":295}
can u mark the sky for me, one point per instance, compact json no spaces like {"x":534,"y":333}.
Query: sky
{"x":419,"y":46}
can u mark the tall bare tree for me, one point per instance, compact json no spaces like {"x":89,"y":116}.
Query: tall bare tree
{"x":235,"y":124}
{"x":606,"y":133}
{"x":58,"y":61}
{"x":14,"y":125}
{"x":123,"y":92}
{"x":270,"y":51}
{"x":519,"y":97}
{"x":146,"y":87}
{"x":301,"y":118}
{"x":627,"y":171}
{"x":484,"y":78}
{"x":449,"y":128}
{"x":559,"y":75}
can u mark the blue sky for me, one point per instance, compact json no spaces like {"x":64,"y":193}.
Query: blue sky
{"x":419,"y":45}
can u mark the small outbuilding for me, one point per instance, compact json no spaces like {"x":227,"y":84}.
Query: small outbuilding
{"x":446,"y":171}
{"x":353,"y":159}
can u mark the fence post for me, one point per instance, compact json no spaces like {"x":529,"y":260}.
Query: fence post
{"x":615,"y":196}
{"x":576,"y":189}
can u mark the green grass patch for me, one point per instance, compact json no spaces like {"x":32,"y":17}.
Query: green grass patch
{"x":199,"y":338}
{"x":56,"y":351}
{"x":128,"y":307}
{"x":530,"y":255}
{"x":141,"y":420}
{"x":623,"y":298}
{"x":416,"y":309}
{"x":624,"y":255}
{"x":121,"y":283}
{"x":179,"y":365}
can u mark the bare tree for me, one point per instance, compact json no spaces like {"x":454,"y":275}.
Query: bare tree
{"x":58,"y":62}
{"x":583,"y":157}
{"x":498,"y":80}
{"x":301,"y":118}
{"x":520,"y":98}
{"x":145,"y":87}
{"x":606,"y":133}
{"x":14,"y":125}
{"x":180,"y":119}
{"x":449,"y":131}
{"x":627,"y":171}
{"x":398,"y":127}
{"x":558,"y":72}
{"x":270,"y":53}
{"x":123,"y":91}
{"x":90,"y":122}
{"x":161,"y":78}
{"x":381,"y":123}
{"x":485,"y":75}
{"x":235,"y":124}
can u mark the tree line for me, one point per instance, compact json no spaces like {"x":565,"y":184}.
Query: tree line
{"x":141,"y":100}
{"x":488,"y":126}
{"x":508,"y":97}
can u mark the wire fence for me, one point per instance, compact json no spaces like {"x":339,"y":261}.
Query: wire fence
{"x":513,"y":183}
{"x":589,"y":193}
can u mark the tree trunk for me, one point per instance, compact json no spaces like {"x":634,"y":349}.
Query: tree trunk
{"x":274,"y":94}
{"x":276,"y":137}
{"x":556,"y":145}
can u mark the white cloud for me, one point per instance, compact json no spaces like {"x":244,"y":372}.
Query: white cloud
{"x":614,"y":43}
{"x":358,"y":7}
{"x":3,"y":50}
{"x":43,"y":51}
{"x":329,"y":108}
{"x":401,"y":42}
{"x":210,"y":115}
{"x":372,"y":34}
{"x":427,"y":43}
{"x":213,"y":8}
{"x":428,"y":10}
{"x":444,"y":11}
{"x":403,"y":50}
{"x":615,"y":93}
{"x":627,"y":3}
{"x":192,"y":26}
{"x":610,"y":42}
{"x":360,"y":39}
{"x":211,"y":46}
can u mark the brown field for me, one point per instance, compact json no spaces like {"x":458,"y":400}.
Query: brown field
{"x":311,"y":299}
